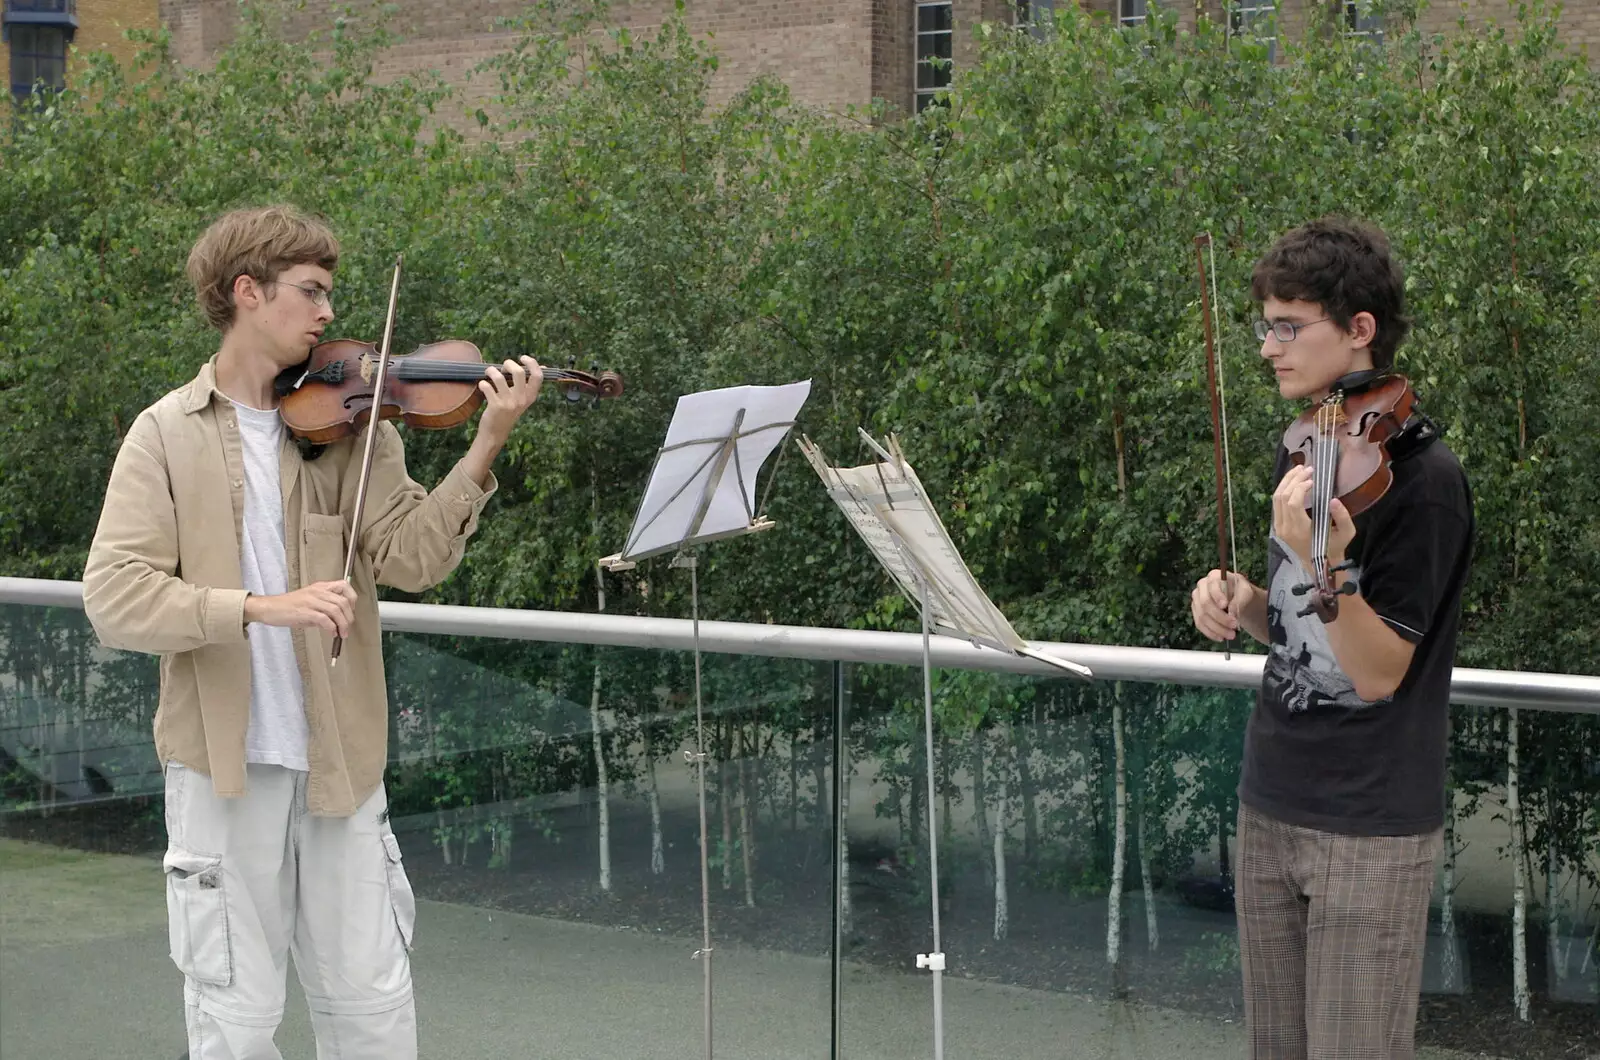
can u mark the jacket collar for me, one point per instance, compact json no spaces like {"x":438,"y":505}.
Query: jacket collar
{"x":202,"y":388}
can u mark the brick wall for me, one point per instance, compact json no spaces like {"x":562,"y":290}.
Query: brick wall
{"x":823,"y":49}
{"x":101,"y":24}
{"x":831,"y":53}
{"x":893,"y":51}
{"x":1580,"y":19}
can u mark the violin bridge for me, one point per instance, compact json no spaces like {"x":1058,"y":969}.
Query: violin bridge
{"x":368,"y":369}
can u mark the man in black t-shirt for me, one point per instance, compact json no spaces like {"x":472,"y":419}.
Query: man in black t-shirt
{"x":1342,"y":787}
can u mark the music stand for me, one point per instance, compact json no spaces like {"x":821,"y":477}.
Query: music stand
{"x":890,"y":509}
{"x":702,"y":489}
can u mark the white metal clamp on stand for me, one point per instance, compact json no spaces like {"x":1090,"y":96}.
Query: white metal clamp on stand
{"x":702,"y":489}
{"x":890,"y":509}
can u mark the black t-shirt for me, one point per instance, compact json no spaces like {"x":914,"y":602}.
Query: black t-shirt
{"x":1318,"y":755}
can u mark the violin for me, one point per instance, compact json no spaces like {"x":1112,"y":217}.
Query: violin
{"x":1347,"y":440}
{"x":434,"y":387}
{"x":333,"y":394}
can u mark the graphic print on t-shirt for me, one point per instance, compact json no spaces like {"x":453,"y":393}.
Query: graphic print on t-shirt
{"x":1301,"y":671}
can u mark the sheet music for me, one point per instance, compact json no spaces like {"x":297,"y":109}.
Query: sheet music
{"x":894,"y":517}
{"x":890,"y":509}
{"x":701,"y":453}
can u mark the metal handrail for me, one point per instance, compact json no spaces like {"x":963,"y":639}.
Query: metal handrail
{"x":1469,"y":687}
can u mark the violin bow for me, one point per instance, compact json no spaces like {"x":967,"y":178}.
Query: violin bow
{"x":374,"y":414}
{"x":1219,"y":420}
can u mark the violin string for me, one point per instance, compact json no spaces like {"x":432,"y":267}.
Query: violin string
{"x":1222,"y":400}
{"x":1323,"y":487}
{"x":1321,"y":547}
{"x":1316,"y":483}
{"x":458,"y":371}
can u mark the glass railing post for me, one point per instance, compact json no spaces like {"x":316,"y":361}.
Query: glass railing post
{"x":934,"y":961}
{"x":837,"y":835}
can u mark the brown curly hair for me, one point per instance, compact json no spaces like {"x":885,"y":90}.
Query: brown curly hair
{"x":1346,"y":267}
{"x":260,"y":242}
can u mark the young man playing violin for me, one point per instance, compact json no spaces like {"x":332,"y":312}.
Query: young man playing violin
{"x":1343,"y":780}
{"x":221,"y":548}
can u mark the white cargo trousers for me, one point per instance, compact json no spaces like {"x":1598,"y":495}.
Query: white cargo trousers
{"x":252,"y":880}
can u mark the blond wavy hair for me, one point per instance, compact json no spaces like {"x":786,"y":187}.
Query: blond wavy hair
{"x":261,"y":242}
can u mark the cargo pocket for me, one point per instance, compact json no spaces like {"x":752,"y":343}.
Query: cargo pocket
{"x":400,"y":895}
{"x":197,"y":917}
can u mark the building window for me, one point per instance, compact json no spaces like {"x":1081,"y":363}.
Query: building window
{"x":37,"y":33}
{"x":1036,"y":16}
{"x":1257,"y":19}
{"x":38,"y":53}
{"x":1362,"y":24}
{"x":935,"y":47}
{"x":1132,"y":12}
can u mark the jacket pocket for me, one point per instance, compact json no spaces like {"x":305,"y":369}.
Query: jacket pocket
{"x":322,"y":548}
{"x":400,"y":893}
{"x":197,"y":916}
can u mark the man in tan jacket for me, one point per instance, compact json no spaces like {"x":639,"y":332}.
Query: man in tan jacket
{"x":221,"y":549}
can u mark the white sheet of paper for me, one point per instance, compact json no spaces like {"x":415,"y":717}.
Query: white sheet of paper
{"x":892,"y":512}
{"x":684,"y":468}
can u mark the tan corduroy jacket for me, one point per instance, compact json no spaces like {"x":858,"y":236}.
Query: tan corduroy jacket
{"x":163,"y":577}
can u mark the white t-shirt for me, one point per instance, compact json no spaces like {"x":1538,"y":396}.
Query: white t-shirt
{"x":278,"y":734}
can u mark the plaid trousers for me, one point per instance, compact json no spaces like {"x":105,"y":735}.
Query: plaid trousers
{"x":1331,"y":935}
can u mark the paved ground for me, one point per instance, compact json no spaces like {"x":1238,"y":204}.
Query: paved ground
{"x":84,"y":974}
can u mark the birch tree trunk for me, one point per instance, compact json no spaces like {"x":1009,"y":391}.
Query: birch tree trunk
{"x":946,"y":825}
{"x":441,"y":830}
{"x":1521,"y":998}
{"x":1152,"y":933}
{"x":1555,"y":959}
{"x":843,"y":766}
{"x":1030,"y":793}
{"x":916,"y":795}
{"x":658,"y":858}
{"x":596,"y":733}
{"x":980,"y":798}
{"x":725,"y":797}
{"x":1447,"y":913}
{"x":747,"y":838}
{"x":819,"y":766}
{"x":794,"y":787}
{"x":1120,"y":840}
{"x":501,"y":827}
{"x":1002,"y":897}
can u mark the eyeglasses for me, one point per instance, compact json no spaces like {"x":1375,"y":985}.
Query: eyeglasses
{"x":1283,"y":329}
{"x":318,"y":295}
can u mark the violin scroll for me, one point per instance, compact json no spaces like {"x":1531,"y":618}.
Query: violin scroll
{"x":575,"y":385}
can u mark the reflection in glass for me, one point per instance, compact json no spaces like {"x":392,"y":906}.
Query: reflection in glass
{"x":549,"y":824}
